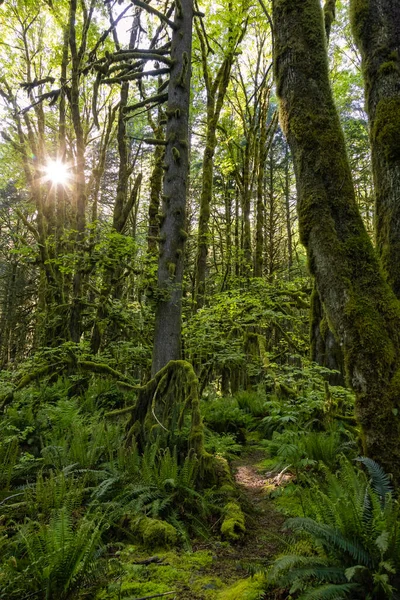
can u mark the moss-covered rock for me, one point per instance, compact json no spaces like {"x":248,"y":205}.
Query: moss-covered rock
{"x":233,"y":525}
{"x":252,"y":588}
{"x":154,"y":533}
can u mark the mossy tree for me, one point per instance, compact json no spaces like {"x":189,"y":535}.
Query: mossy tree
{"x":376,"y":29}
{"x":361,"y":308}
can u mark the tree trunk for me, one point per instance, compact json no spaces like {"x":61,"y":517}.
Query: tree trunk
{"x":361,"y":309}
{"x":289,"y":232}
{"x":376,"y":28}
{"x":216,"y":92}
{"x":325,"y":350}
{"x":167,"y":335}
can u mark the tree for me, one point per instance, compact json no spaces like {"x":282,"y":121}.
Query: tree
{"x":361,"y":308}
{"x":167,"y":337}
{"x":216,"y":89}
{"x":376,"y":29}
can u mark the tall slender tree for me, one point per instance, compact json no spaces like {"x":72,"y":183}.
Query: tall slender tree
{"x":168,"y":320}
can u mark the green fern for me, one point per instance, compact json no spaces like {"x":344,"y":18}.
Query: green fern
{"x":352,"y":539}
{"x":55,"y":560}
{"x":380,"y":481}
{"x":331,"y":592}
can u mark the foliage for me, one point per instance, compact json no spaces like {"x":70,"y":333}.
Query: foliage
{"x":301,"y":449}
{"x":234,"y":331}
{"x":349,"y":543}
{"x":53,"y":560}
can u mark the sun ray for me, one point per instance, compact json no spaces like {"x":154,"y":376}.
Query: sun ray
{"x":57,"y":172}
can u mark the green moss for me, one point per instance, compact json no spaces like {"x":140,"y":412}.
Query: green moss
{"x":171,"y":269}
{"x":233,"y":526}
{"x":252,"y":588}
{"x":176,"y":154}
{"x":359,"y":14}
{"x":175,"y":570}
{"x":386,"y":128}
{"x":388,"y":67}
{"x":155,"y":533}
{"x":329,"y":15}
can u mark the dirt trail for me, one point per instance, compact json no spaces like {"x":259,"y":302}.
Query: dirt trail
{"x":263,"y":536}
{"x":263,"y":523}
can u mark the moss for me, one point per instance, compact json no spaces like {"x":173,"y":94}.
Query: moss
{"x":359,"y":15}
{"x":155,"y":533}
{"x":171,"y":269}
{"x":233,"y":526}
{"x":389,"y":67}
{"x":174,"y":570}
{"x":252,"y":588}
{"x":176,"y":154}
{"x":394,"y":392}
{"x":329,"y":16}
{"x":386,"y":128}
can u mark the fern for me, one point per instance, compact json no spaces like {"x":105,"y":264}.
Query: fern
{"x":331,"y":538}
{"x":57,"y":559}
{"x":380,"y":481}
{"x":352,"y":539}
{"x":331,"y":592}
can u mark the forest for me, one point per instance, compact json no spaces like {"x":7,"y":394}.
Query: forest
{"x":199,"y":299}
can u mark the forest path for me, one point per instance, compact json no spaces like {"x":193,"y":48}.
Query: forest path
{"x":214,"y":569}
{"x":263,"y":537}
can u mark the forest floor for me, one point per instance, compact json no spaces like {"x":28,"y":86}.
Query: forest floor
{"x":215,"y":570}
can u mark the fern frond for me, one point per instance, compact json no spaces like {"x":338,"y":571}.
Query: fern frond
{"x":331,"y":537}
{"x":380,"y":481}
{"x":331,"y":592}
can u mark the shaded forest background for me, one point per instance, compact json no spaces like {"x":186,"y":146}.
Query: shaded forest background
{"x":79,"y":259}
{"x":160,"y":326}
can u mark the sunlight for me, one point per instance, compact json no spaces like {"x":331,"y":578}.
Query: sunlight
{"x":57,"y":172}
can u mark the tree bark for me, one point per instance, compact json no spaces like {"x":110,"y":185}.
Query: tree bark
{"x":361,"y":308}
{"x":167,"y":335}
{"x":376,"y":28}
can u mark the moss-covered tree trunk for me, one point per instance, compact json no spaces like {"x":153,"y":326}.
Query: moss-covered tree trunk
{"x":167,"y":335}
{"x":361,"y":308}
{"x":325,"y":350}
{"x":376,"y":28}
{"x":288,"y":217}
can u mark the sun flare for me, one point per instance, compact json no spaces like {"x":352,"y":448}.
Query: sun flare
{"x":57,"y":172}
